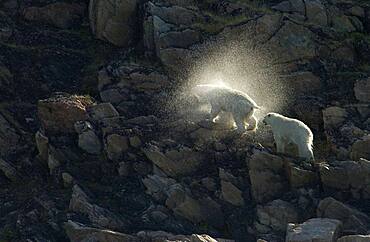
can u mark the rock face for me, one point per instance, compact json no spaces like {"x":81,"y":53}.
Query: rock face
{"x":266,"y":174}
{"x":78,"y":233}
{"x":334,"y":117}
{"x":347,"y":176}
{"x":360,"y":149}
{"x":114,"y":21}
{"x":98,"y":216}
{"x":353,"y":220}
{"x":59,"y":113}
{"x":175,"y":161}
{"x":61,"y":15}
{"x":277,"y":214}
{"x":354,"y":238}
{"x":316,"y":229}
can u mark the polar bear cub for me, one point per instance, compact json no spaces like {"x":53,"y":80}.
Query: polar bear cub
{"x":225,"y":99}
{"x":288,"y":130}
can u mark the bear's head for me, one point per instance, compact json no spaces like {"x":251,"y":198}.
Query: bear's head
{"x":267,"y":119}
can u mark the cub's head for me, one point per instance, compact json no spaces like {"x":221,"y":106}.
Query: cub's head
{"x":268,"y":118}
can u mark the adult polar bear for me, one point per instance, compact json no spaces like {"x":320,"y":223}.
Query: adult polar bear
{"x":222,"y":98}
{"x":288,"y":130}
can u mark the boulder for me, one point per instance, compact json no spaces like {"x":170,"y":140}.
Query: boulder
{"x":9,"y":171}
{"x":60,"y":14}
{"x":353,"y":220}
{"x":101,"y":111}
{"x":277,"y":214}
{"x":78,"y":232}
{"x":81,"y":203}
{"x":347,"y":176}
{"x":361,"y":149}
{"x":59,"y":113}
{"x":87,"y":138}
{"x":315,"y":229}
{"x":362,"y":90}
{"x":174,"y":161}
{"x":266,"y":172}
{"x":115,"y":146}
{"x":354,"y":238}
{"x":303,"y":82}
{"x":292,"y":42}
{"x":114,"y":21}
{"x":230,"y":193}
{"x":301,"y":177}
{"x":42,"y":144}
{"x":334,"y":117}
{"x":316,"y":12}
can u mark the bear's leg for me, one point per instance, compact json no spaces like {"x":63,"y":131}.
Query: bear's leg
{"x":252,"y":123}
{"x":239,"y":123}
{"x":215,"y":110}
{"x":305,"y":151}
{"x":279,"y":143}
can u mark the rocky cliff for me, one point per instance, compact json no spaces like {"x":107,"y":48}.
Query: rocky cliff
{"x":100,"y":140}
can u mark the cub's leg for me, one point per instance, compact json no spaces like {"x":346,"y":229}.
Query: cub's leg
{"x":239,"y":121}
{"x":215,"y":110}
{"x":252,"y":123}
{"x":280,"y":146}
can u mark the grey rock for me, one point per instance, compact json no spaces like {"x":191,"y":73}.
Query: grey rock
{"x":61,"y":15}
{"x":115,"y":146}
{"x":42,"y":143}
{"x":315,"y":229}
{"x":87,"y":138}
{"x":362,"y":90}
{"x":81,"y":203}
{"x":174,"y":162}
{"x":353,"y":220}
{"x":230,"y":193}
{"x":101,"y":111}
{"x":9,"y":171}
{"x":78,"y":232}
{"x":277,"y":214}
{"x":316,"y":12}
{"x":360,"y":149}
{"x":113,"y":21}
{"x":334,"y":117}
{"x":267,"y":176}
{"x":354,"y":238}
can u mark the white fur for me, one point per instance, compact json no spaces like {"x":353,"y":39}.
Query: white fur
{"x":221,"y":98}
{"x":288,"y":130}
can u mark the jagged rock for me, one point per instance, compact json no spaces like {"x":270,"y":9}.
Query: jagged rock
{"x":347,"y":176}
{"x":135,"y":141}
{"x":80,"y":233}
{"x":353,"y":220}
{"x":42,"y":143}
{"x":67,"y":179}
{"x":59,"y":113}
{"x":53,"y":161}
{"x":362,"y":94}
{"x":61,"y":15}
{"x":9,"y":171}
{"x":303,"y":82}
{"x":293,"y":42}
{"x":277,"y":214}
{"x":334,"y":117}
{"x":116,"y":145}
{"x":113,"y":22}
{"x":231,"y":194}
{"x":101,"y":111}
{"x":316,"y":229}
{"x":87,"y":138}
{"x":316,"y":12}
{"x":300,"y":177}
{"x":360,"y":149}
{"x":80,"y":203}
{"x":176,"y":161}
{"x":354,"y":238}
{"x":266,"y":173}
{"x":177,"y":198}
{"x":10,"y":138}
{"x":160,"y":236}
